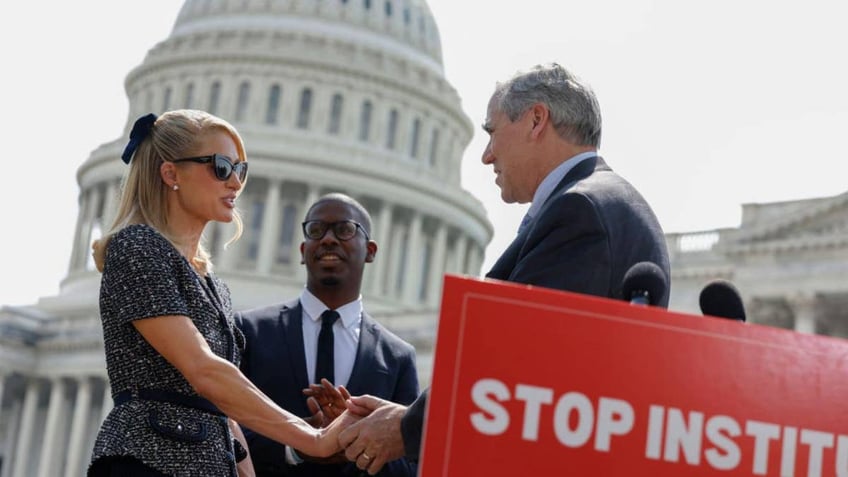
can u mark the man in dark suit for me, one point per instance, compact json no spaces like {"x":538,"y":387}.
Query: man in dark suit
{"x":586,"y":225}
{"x":283,"y":340}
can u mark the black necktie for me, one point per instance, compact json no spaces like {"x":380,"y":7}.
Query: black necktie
{"x":324,"y":363}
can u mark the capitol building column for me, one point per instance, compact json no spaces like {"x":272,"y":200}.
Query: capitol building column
{"x":804,"y":309}
{"x":113,"y":199}
{"x":383,"y":226}
{"x":476,"y":260}
{"x":270,"y":228}
{"x":79,"y":420}
{"x":49,"y":452}
{"x":84,"y":228}
{"x":10,"y":448}
{"x":24,"y":437}
{"x":77,"y":244}
{"x":413,"y":278}
{"x":395,"y":275}
{"x":460,"y":254}
{"x":312,"y":192}
{"x":437,"y":267}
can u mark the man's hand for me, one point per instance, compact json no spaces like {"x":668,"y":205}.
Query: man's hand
{"x":376,"y":438}
{"x":325,"y":402}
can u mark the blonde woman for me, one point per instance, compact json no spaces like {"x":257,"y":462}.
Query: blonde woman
{"x":172,"y":350}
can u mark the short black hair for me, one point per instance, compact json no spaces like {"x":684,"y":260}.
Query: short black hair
{"x":364,"y":218}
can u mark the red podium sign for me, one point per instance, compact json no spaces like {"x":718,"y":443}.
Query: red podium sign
{"x":535,"y":382}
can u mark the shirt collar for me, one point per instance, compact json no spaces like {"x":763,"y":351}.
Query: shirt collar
{"x":553,"y":178}
{"x":350,"y":313}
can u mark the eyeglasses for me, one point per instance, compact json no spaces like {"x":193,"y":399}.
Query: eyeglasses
{"x":343,"y":229}
{"x":222,"y":165}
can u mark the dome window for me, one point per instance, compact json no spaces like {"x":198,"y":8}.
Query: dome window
{"x":189,"y":96}
{"x":214,"y":97}
{"x":166,"y":100}
{"x":434,"y":146}
{"x":335,"y":114}
{"x":365,"y":121}
{"x":413,"y":143}
{"x":243,"y":99}
{"x":305,"y":108}
{"x":273,"y":112}
{"x":391,"y":132}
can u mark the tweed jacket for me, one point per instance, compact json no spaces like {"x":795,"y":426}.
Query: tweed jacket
{"x":146,"y":277}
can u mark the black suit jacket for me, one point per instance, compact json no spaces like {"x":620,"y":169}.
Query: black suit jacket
{"x":274,"y":360}
{"x":590,"y":231}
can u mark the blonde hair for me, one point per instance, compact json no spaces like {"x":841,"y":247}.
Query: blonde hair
{"x":144,"y":199}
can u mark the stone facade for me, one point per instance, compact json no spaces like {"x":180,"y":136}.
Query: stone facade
{"x":789,"y":261}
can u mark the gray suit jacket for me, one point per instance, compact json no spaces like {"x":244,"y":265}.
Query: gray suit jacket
{"x":274,"y":360}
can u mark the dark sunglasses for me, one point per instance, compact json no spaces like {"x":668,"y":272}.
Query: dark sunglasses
{"x":343,"y":229}
{"x":222,"y":165}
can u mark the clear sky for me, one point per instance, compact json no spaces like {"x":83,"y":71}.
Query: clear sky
{"x":706,"y":105}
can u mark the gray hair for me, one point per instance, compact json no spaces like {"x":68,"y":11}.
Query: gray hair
{"x":574,"y":110}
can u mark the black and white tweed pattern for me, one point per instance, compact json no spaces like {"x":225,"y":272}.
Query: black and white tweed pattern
{"x":145,"y":277}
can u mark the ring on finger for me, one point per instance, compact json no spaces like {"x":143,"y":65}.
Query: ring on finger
{"x":366,"y":456}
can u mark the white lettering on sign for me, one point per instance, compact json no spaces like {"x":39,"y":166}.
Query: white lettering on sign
{"x":716,"y":438}
{"x":673,"y":435}
{"x":615,"y":416}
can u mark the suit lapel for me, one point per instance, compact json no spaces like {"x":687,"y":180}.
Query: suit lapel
{"x":506,"y":262}
{"x":365,"y":361}
{"x":291,"y":320}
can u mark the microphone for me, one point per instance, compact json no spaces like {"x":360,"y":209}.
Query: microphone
{"x":720,"y":298}
{"x":644,"y":283}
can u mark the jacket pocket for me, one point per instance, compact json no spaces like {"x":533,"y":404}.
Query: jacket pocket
{"x":179,"y":428}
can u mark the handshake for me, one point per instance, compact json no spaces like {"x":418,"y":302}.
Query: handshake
{"x":368,"y":429}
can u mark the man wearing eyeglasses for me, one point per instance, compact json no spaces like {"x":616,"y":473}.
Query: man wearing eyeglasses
{"x":287,"y":350}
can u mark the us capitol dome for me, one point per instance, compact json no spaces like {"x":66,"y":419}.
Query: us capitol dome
{"x":330,"y":96}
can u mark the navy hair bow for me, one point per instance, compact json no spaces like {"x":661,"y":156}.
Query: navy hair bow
{"x":140,"y":130}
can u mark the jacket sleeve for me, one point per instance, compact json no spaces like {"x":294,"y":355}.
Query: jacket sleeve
{"x":412,"y":425}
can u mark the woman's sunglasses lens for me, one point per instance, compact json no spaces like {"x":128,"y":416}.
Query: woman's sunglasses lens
{"x":241,"y":170}
{"x":223,"y":168}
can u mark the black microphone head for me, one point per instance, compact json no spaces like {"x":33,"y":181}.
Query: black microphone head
{"x":720,"y":298}
{"x":644,"y":278}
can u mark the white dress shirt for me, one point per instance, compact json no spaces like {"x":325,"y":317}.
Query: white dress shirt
{"x":345,"y":335}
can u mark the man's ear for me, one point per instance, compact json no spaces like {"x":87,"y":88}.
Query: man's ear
{"x":540,"y":116}
{"x":302,"y":258}
{"x":372,"y":251}
{"x":168,"y":172}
